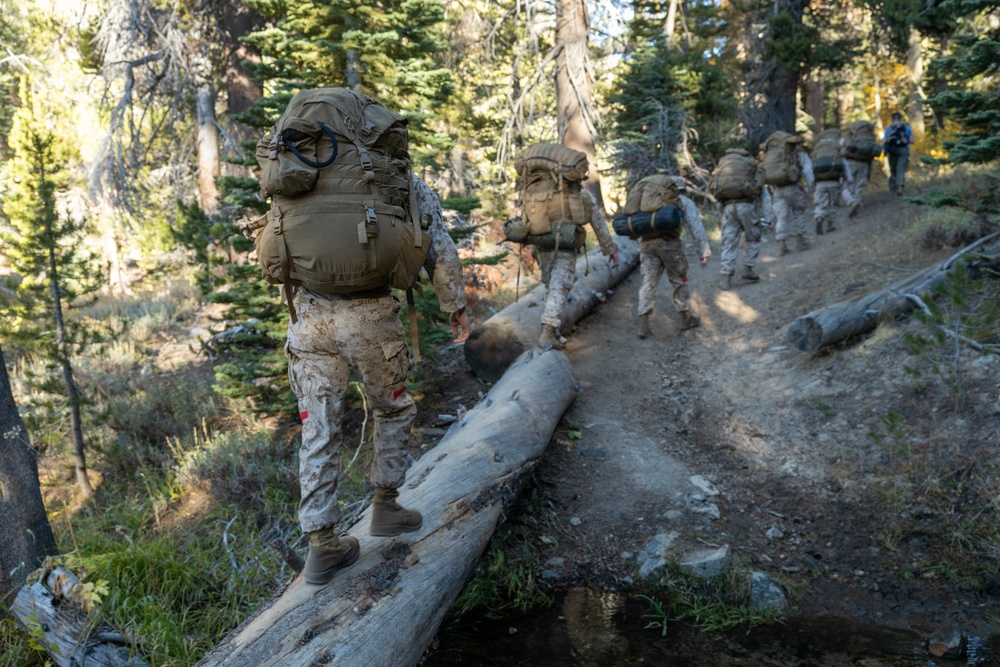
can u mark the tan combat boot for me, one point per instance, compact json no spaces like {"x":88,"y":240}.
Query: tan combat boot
{"x":819,"y":226}
{"x":389,"y":518}
{"x":689,"y":321}
{"x":644,"y":330}
{"x":800,"y":242}
{"x":829,"y":225}
{"x":783,"y":247}
{"x":855,"y":209}
{"x":748,"y":274}
{"x":727,"y":281}
{"x":327,"y":554}
{"x":549,"y":337}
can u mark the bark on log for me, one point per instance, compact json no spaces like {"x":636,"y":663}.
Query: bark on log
{"x":386,"y":608}
{"x":847,"y":319}
{"x":497,"y":342}
{"x":51,"y":611}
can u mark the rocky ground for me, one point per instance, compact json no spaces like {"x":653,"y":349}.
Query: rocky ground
{"x":829,"y":473}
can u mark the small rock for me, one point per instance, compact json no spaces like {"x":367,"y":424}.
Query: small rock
{"x":949,"y":642}
{"x":711,"y":509}
{"x":766,"y":594}
{"x":707,"y":563}
{"x":653,"y":557}
{"x":575,"y":521}
{"x":549,"y":576}
{"x":774,"y":533}
{"x":625,"y":555}
{"x":555,"y":563}
{"x":706,"y":486}
{"x":547,"y":539}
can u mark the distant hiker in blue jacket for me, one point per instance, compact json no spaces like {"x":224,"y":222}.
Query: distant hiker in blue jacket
{"x":896,"y":142}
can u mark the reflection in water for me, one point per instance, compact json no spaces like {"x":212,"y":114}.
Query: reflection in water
{"x":587,"y":628}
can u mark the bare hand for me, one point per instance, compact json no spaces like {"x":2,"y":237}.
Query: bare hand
{"x":703,"y":261}
{"x":459,"y":321}
{"x":613,"y":260}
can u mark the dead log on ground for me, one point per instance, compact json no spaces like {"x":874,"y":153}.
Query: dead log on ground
{"x":387,"y":607}
{"x":497,"y":342}
{"x":847,"y":319}
{"x":53,"y":612}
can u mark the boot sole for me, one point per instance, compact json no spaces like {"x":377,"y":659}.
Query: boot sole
{"x":392,"y":531}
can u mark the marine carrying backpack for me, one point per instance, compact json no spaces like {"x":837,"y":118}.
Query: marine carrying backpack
{"x":337,"y":168}
{"x":651,"y":209}
{"x":552,"y":200}
{"x":736,"y":178}
{"x":827,"y":163}
{"x":781,"y":163}
{"x":860,"y":142}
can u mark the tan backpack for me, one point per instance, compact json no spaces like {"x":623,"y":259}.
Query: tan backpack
{"x":860,"y":142}
{"x":781,"y":164}
{"x":828,"y":165}
{"x":551,"y":195}
{"x":651,"y":194}
{"x":736,"y":178}
{"x":342,"y":217}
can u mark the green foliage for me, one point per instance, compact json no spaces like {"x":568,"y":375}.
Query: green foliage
{"x":958,"y":314}
{"x":973,"y":97}
{"x":464,"y":205}
{"x":19,"y":648}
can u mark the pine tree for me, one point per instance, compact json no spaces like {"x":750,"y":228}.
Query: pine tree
{"x":973,"y":71}
{"x":44,"y":247}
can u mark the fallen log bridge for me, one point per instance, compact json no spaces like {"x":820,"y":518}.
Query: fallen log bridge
{"x":497,"y":342}
{"x":386,"y":608}
{"x":847,"y":319}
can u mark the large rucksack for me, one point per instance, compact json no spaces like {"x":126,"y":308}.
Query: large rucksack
{"x":860,"y":142}
{"x":652,"y":208}
{"x":337,"y":168}
{"x":828,"y":165}
{"x":781,"y":164}
{"x":552,"y":200}
{"x":736,"y":178}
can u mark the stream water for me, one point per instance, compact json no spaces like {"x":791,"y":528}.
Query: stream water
{"x":586,"y":628}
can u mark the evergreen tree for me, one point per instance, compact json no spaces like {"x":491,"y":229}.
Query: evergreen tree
{"x":973,"y":71}
{"x":44,"y":247}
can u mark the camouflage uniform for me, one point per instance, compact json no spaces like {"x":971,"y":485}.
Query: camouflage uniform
{"x":559,"y":267}
{"x":738,"y":218}
{"x":860,"y":171}
{"x":825,"y":199}
{"x":659,"y":253}
{"x":362,"y":332}
{"x":790,"y":202}
{"x":334,"y":334}
{"x":443,"y":264}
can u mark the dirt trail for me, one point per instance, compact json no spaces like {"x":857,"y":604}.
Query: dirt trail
{"x":782,"y":436}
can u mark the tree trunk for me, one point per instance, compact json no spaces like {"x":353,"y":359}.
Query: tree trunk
{"x":72,"y":393}
{"x":915,"y":66}
{"x":51,"y":612}
{"x":575,"y":109}
{"x":25,"y":535}
{"x":208,"y":148}
{"x":671,"y":24}
{"x":815,"y":94}
{"x":498,"y":341}
{"x":845,"y":320}
{"x":386,"y":609}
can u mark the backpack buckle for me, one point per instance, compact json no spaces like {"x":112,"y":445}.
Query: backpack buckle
{"x":367,"y":128}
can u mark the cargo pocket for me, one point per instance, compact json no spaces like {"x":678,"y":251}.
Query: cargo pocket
{"x":397,"y":362}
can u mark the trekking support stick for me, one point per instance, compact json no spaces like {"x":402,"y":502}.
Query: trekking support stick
{"x":411,"y":307}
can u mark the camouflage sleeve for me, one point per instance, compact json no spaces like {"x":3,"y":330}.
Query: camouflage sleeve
{"x":693,"y":221}
{"x":600,"y":225}
{"x":443,"y":264}
{"x":807,"y":169}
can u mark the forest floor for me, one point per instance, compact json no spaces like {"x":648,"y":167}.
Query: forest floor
{"x":838,"y":474}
